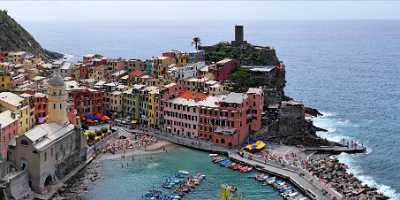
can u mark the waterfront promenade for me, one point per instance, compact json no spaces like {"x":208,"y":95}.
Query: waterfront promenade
{"x":307,"y":183}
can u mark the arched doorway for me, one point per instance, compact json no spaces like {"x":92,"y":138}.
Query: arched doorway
{"x":48,"y":181}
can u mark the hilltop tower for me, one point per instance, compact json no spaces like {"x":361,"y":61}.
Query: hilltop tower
{"x":239,"y":35}
{"x":57,"y":106}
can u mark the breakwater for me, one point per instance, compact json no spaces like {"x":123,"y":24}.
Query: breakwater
{"x":300,"y":178}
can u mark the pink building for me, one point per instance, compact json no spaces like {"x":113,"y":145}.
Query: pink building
{"x":222,"y":69}
{"x":223,"y":119}
{"x":181,"y":114}
{"x":227,"y":124}
{"x":40,"y":104}
{"x":256,"y":98}
{"x":9,"y":129}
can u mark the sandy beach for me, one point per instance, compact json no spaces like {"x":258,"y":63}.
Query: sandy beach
{"x":158,"y":147}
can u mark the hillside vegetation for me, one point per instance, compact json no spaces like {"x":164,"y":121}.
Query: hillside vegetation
{"x":13,"y":37}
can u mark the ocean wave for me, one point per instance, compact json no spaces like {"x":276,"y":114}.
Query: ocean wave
{"x":357,"y":171}
{"x":331,"y":123}
{"x":327,"y":114}
{"x":68,"y":57}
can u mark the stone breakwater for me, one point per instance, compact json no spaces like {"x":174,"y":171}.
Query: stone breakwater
{"x":331,"y":172}
{"x":80,"y":182}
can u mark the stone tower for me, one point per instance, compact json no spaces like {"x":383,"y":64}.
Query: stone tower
{"x":57,"y":105}
{"x":239,"y":38}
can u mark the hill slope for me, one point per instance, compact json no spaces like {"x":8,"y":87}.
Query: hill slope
{"x":13,"y":37}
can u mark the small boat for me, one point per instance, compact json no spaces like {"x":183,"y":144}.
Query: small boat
{"x":213,"y":155}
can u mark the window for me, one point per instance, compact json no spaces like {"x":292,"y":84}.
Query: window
{"x":54,"y":105}
{"x":24,"y":142}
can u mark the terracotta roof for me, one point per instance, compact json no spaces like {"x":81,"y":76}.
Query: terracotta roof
{"x":189,"y":95}
{"x":136,"y":73}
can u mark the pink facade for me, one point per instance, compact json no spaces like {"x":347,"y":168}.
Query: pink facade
{"x":181,"y":120}
{"x":256,"y":97}
{"x":40,"y":103}
{"x":222,"y":69}
{"x":9,"y":129}
{"x":224,"y":120}
{"x":227,"y":124}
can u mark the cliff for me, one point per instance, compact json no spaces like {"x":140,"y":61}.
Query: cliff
{"x":245,"y":52}
{"x":13,"y":37}
{"x":260,"y":67}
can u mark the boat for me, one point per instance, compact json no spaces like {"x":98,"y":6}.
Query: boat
{"x":153,"y":195}
{"x":213,"y":155}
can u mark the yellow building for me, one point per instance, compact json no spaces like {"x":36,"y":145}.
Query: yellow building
{"x":5,"y":80}
{"x":116,"y":103}
{"x":20,"y":106}
{"x":181,"y":59}
{"x":153,"y":93}
{"x":57,"y":97}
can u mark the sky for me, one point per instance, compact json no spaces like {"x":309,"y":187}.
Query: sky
{"x":200,"y":10}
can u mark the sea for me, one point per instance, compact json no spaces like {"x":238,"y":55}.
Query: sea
{"x":349,"y":70}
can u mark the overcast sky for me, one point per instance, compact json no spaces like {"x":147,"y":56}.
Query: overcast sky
{"x":200,"y":10}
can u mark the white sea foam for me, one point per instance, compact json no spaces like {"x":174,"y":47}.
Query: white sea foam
{"x":68,"y":57}
{"x":331,"y":124}
{"x":357,"y":171}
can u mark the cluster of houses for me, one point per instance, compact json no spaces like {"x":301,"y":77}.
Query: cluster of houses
{"x":42,"y":105}
{"x":45,"y":105}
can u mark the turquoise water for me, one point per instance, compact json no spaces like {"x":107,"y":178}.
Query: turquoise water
{"x":148,"y":171}
{"x":347,"y":69}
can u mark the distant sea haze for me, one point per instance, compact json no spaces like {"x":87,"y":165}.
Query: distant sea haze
{"x":347,"y":69}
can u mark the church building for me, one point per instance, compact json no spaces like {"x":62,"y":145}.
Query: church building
{"x":49,"y":151}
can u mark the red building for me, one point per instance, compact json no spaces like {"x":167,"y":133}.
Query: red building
{"x":87,"y":101}
{"x":230,"y":123}
{"x":222,"y":69}
{"x":224,"y":119}
{"x":3,"y":55}
{"x":40,"y":103}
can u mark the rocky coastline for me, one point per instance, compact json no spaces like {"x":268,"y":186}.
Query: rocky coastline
{"x":334,"y":173}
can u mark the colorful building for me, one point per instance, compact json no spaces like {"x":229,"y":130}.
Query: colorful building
{"x":18,"y":105}
{"x":40,"y":104}
{"x":116,"y":103}
{"x":5,"y":80}
{"x":87,"y":101}
{"x":8,"y":130}
{"x":131,"y":103}
{"x":222,"y":69}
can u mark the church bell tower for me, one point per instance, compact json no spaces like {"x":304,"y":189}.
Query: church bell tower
{"x":57,"y":105}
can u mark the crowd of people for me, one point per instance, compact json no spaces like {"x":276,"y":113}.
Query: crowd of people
{"x":131,"y":142}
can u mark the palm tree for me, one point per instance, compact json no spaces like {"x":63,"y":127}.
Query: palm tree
{"x":196,"y":42}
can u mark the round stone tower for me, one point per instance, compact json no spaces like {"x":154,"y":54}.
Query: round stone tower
{"x":57,"y":105}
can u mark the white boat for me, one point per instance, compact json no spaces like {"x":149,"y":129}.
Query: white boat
{"x":212,"y":155}
{"x":184,"y":172}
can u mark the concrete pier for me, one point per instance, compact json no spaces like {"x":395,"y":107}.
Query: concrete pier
{"x":304,"y":181}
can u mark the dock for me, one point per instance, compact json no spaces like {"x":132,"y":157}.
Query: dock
{"x":338,"y":149}
{"x":304,"y":181}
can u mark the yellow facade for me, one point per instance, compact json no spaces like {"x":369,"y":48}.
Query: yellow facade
{"x":181,"y":59}
{"x":18,"y":105}
{"x":5,"y":81}
{"x":151,"y":110}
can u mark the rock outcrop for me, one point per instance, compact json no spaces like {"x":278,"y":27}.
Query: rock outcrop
{"x":13,"y":37}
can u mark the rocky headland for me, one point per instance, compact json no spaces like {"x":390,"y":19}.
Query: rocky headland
{"x":13,"y":37}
